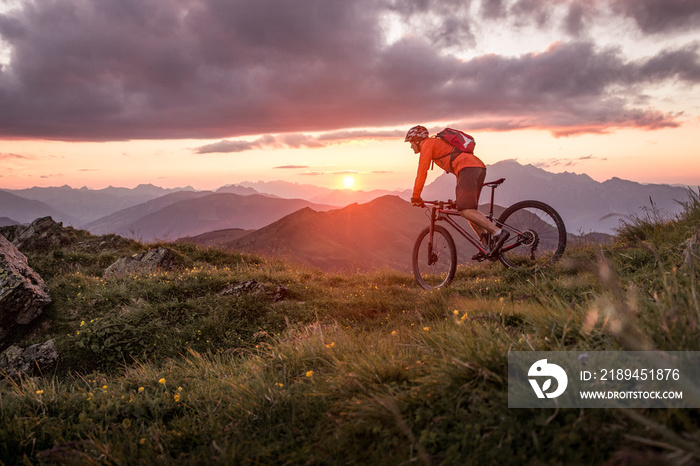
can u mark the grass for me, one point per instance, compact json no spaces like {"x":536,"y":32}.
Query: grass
{"x":162,"y":368}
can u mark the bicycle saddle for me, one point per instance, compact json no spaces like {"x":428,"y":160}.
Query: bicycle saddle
{"x":493,"y":184}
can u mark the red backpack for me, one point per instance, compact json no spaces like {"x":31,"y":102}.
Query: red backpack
{"x":458,"y":139}
{"x":461,"y":141}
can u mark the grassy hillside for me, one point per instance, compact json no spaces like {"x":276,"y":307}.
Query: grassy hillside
{"x":164,"y":368}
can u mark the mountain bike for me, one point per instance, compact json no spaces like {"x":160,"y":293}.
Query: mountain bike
{"x":537,"y":238}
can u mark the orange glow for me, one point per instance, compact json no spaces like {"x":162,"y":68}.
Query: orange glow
{"x":662,"y":156}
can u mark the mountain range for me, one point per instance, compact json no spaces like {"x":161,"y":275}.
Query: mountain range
{"x":192,"y":213}
{"x":584,"y":204}
{"x":148,"y":212}
{"x":77,"y":207}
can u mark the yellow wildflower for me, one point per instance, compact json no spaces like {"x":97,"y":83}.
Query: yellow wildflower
{"x":310,"y":373}
{"x":161,"y":381}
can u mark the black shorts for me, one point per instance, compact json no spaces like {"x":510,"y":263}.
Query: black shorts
{"x":469,"y":181}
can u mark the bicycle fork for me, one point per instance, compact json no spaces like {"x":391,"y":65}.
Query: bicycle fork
{"x":432,"y":256}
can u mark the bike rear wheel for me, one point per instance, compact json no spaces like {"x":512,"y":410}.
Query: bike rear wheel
{"x":434,"y":264}
{"x":537,"y":235}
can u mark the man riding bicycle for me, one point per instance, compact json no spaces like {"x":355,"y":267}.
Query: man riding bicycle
{"x":470,"y":172}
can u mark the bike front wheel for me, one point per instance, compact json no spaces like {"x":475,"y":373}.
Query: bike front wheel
{"x":537,"y":235}
{"x":434,"y":263}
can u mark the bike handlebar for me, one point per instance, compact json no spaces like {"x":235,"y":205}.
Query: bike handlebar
{"x":449,"y":204}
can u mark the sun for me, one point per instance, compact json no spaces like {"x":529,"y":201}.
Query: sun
{"x":348,"y":182}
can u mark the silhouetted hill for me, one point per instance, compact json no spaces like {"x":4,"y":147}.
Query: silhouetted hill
{"x":380,"y":233}
{"x":216,"y":238}
{"x":24,"y":210}
{"x":198,"y":213}
{"x":121,"y":222}
{"x":235,"y":189}
{"x":7,"y":222}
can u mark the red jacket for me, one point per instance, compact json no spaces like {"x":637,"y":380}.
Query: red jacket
{"x":431,"y":150}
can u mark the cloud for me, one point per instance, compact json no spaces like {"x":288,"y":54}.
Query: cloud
{"x":655,"y":17}
{"x":660,"y":16}
{"x":291,"y":167}
{"x":297,"y":140}
{"x":345,"y":172}
{"x":227,"y":147}
{"x":222,"y":69}
{"x":11,"y":156}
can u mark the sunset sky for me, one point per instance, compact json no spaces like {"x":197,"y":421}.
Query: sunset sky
{"x":213,"y":92}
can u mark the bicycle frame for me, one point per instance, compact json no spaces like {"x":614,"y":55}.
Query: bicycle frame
{"x":441,"y":211}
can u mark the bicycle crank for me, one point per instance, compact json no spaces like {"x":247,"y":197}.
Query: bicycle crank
{"x":531,"y":239}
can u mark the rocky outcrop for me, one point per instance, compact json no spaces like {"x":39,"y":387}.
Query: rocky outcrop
{"x":144,"y":262}
{"x":255,"y":288}
{"x":42,"y":234}
{"x":16,"y":361}
{"x":23,"y":293}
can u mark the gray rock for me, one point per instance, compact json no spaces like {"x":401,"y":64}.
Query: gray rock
{"x":255,"y":288}
{"x":149,"y":261}
{"x":40,"y":235}
{"x":16,"y":361}
{"x":23,"y":293}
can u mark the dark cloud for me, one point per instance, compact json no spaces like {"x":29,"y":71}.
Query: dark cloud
{"x":573,"y":16}
{"x":492,"y":9}
{"x":129,"y":69}
{"x":661,"y":16}
{"x":575,"y":20}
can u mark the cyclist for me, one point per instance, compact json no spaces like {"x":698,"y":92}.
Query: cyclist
{"x":470,"y":172}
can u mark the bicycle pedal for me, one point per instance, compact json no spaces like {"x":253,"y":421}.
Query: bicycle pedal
{"x":479,"y":257}
{"x":493,"y":256}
